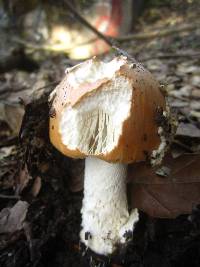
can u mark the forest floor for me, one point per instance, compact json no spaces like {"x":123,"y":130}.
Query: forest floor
{"x":41,"y":190}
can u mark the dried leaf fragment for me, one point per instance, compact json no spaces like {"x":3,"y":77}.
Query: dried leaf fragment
{"x":170,"y":196}
{"x":12,"y":219}
{"x":188,"y":130}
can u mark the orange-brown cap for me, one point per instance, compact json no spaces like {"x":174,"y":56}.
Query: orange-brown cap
{"x":107,"y":110}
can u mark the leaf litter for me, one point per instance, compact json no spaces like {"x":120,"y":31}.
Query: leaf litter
{"x":12,"y":219}
{"x":174,"y":193}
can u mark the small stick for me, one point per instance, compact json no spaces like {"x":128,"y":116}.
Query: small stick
{"x":156,"y":33}
{"x":9,"y":197}
{"x":87,"y":24}
{"x":109,"y":40}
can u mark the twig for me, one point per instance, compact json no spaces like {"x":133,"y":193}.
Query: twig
{"x":9,"y":197}
{"x":46,"y":47}
{"x":157,"y":33}
{"x":124,"y":53}
{"x":109,"y":40}
{"x":172,"y":55}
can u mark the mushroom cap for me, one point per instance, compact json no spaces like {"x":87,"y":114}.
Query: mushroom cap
{"x":107,"y":110}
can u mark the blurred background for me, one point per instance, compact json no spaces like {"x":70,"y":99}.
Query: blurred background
{"x":51,"y":27}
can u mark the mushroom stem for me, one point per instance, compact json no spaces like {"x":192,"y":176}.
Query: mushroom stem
{"x":105,"y":208}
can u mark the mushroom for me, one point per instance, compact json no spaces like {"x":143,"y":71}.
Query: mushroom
{"x":105,"y":112}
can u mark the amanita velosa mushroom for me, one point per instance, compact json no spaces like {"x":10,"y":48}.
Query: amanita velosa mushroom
{"x":105,"y":112}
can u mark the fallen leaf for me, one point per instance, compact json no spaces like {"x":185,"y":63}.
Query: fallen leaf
{"x":5,"y":151}
{"x":195,"y":80}
{"x":12,"y":114}
{"x":176,"y":103}
{"x":195,"y":105}
{"x":195,"y":114}
{"x":12,"y":219}
{"x":188,"y":130}
{"x":36,"y":186}
{"x":185,"y":91}
{"x":166,"y":197}
{"x":195,"y":93}
{"x":185,"y":68}
{"x":22,"y":180}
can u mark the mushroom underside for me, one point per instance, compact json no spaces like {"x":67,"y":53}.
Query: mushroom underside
{"x":93,"y":126}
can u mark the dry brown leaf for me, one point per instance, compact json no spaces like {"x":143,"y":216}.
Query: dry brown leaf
{"x":12,"y":219}
{"x":166,"y":197}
